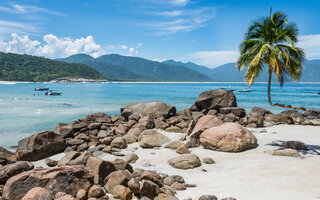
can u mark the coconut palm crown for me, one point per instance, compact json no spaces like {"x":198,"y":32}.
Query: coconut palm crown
{"x":271,"y":41}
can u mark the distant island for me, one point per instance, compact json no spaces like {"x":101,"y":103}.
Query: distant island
{"x":113,"y":67}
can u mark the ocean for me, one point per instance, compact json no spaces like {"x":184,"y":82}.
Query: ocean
{"x":23,"y":111}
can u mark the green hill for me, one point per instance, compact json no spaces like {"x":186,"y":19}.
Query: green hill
{"x":134,"y":68}
{"x":15,"y":67}
{"x":107,"y":70}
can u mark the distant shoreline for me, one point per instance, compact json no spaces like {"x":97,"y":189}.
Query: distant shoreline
{"x":110,"y":81}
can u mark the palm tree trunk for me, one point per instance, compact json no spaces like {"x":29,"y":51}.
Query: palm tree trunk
{"x":269,"y":87}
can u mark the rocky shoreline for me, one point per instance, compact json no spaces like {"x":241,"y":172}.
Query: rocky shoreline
{"x":214,"y":122}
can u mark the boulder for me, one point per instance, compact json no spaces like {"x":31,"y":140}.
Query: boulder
{"x":182,"y":149}
{"x":68,"y":157}
{"x":50,"y":162}
{"x":156,"y":108}
{"x":148,"y":189}
{"x":237,"y":111}
{"x":132,"y":135}
{"x":38,"y":193}
{"x":215,"y":99}
{"x":208,"y":197}
{"x":172,"y":179}
{"x":259,"y":111}
{"x":119,"y":142}
{"x":256,"y":116}
{"x":173,"y":145}
{"x":13,"y":169}
{"x":68,"y":179}
{"x":279,"y":119}
{"x":40,"y":145}
{"x":63,"y":196}
{"x":121,"y":192}
{"x":205,"y":122}
{"x":80,"y":160}
{"x":65,"y":130}
{"x":120,"y":177}
{"x":131,"y":157}
{"x":295,"y":145}
{"x":152,"y":138}
{"x":95,"y":191}
{"x":120,"y":164}
{"x":99,"y":169}
{"x":208,"y":160}
{"x":82,"y":194}
{"x":151,"y":176}
{"x":6,"y":156}
{"x":228,"y":137}
{"x":134,"y":186}
{"x":185,"y":161}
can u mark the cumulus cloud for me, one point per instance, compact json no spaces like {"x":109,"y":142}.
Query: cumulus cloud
{"x":52,"y":47}
{"x":311,"y":45}
{"x":134,"y":50}
{"x":212,"y":59}
{"x":123,"y":46}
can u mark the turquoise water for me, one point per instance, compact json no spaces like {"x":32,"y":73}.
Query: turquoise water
{"x":22,"y":114}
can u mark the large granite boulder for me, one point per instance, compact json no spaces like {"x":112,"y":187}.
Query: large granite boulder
{"x":40,"y":145}
{"x":156,"y":108}
{"x":205,"y":122}
{"x":185,"y":161}
{"x":68,"y":179}
{"x":228,"y":137}
{"x":6,"y":156}
{"x":152,"y":138}
{"x":13,"y":169}
{"x":215,"y":99}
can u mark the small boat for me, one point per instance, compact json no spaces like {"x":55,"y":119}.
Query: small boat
{"x":41,"y":89}
{"x":52,"y":92}
{"x":245,"y":90}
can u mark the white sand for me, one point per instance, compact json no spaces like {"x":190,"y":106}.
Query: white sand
{"x":250,"y":175}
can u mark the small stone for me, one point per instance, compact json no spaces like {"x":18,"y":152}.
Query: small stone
{"x":119,"y":142}
{"x":178,"y":186}
{"x":208,"y":197}
{"x":134,"y":185}
{"x":295,"y":145}
{"x":121,"y":192}
{"x":82,"y":194}
{"x":229,"y":198}
{"x":182,"y":149}
{"x":286,"y":152}
{"x":204,"y":170}
{"x":96,"y":191}
{"x":208,"y":160}
{"x":50,"y":162}
{"x":132,"y":157}
{"x":172,"y":179}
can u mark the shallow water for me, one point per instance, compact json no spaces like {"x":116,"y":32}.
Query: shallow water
{"x":22,"y":114}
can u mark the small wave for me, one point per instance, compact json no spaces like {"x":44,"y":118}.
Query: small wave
{"x":7,"y":82}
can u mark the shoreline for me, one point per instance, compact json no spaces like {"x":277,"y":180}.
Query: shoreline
{"x":110,"y":81}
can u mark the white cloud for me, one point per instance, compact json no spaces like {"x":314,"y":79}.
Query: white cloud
{"x":311,"y":45}
{"x":183,"y":20}
{"x":8,"y":27}
{"x":212,"y":59}
{"x":53,"y":46}
{"x":134,"y":50}
{"x":27,"y":9}
{"x":123,"y":47}
{"x":170,"y":2}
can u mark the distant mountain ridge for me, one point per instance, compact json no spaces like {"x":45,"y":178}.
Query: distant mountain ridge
{"x":229,"y":72}
{"x":119,"y":67}
{"x":17,"y":67}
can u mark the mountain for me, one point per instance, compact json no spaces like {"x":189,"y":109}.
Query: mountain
{"x":135,"y":68}
{"x":107,"y":70}
{"x":229,"y":72}
{"x":16,"y":67}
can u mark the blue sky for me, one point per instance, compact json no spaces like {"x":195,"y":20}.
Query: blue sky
{"x":206,"y":32}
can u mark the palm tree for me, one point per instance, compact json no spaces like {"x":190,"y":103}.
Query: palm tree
{"x":271,"y":41}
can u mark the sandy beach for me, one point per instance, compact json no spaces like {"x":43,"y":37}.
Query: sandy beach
{"x":249,"y":175}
